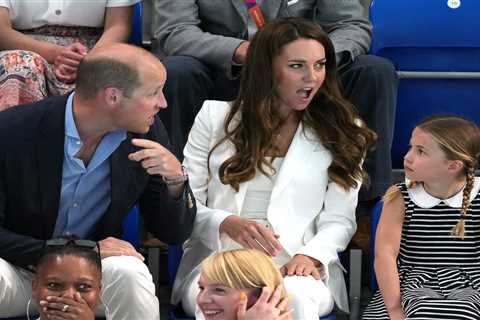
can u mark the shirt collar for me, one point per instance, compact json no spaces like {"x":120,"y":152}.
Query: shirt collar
{"x":71,"y":128}
{"x":424,"y":200}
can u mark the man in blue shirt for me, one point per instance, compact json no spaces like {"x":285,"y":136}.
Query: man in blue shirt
{"x":77,"y":164}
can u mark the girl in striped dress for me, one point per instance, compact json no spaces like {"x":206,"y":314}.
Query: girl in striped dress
{"x":427,"y":251}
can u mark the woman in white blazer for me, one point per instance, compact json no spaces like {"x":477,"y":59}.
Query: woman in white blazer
{"x":278,"y":169}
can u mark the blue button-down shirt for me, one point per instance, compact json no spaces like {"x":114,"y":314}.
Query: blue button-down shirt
{"x":85,"y":194}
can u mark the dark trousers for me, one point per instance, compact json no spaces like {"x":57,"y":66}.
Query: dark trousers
{"x":369,"y":82}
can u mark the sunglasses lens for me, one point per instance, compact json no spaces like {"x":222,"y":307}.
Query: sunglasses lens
{"x":56,"y":242}
{"x":85,"y":243}
{"x":77,"y":242}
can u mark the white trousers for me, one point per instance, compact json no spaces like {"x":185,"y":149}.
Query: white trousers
{"x":309,"y":298}
{"x":128,"y":291}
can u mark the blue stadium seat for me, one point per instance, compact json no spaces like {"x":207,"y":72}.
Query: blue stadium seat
{"x":374,"y":220}
{"x":174,"y":256}
{"x":131,"y":227}
{"x":136,"y":36}
{"x":435,"y":48}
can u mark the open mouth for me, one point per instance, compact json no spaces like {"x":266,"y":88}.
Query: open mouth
{"x":212,"y":314}
{"x":305,"y":92}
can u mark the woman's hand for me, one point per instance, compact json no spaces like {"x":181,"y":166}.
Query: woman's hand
{"x":251,"y":234}
{"x":67,"y":61}
{"x":269,"y":306}
{"x":302,"y":265}
{"x":78,"y":309}
{"x":396,"y":314}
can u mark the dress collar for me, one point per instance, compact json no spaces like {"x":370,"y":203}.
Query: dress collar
{"x":424,"y":200}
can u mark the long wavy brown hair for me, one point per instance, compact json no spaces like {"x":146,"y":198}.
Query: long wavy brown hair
{"x":332,"y":118}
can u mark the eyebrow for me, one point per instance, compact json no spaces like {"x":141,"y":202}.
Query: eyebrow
{"x":304,"y":60}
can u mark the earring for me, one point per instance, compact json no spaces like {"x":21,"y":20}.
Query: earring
{"x":28,"y":308}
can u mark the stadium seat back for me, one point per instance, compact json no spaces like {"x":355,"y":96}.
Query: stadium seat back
{"x":435,"y":48}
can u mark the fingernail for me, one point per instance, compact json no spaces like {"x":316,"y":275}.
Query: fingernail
{"x":49,"y":298}
{"x":43,"y":302}
{"x":243,"y":296}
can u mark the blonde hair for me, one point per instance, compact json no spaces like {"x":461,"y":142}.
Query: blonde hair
{"x":243,"y":268}
{"x":459,"y":139}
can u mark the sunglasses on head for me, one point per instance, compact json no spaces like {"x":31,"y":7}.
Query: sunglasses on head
{"x":61,"y":242}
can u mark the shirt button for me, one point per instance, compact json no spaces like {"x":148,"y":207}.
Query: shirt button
{"x":78,"y":142}
{"x":58,"y":12}
{"x":75,"y":205}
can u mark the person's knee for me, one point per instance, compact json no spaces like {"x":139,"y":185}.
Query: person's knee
{"x":184,"y":67}
{"x":125,"y":270}
{"x":376,"y":67}
{"x":189,"y":301}
{"x":5,"y":284}
{"x":306,"y":293}
{"x":32,"y":66}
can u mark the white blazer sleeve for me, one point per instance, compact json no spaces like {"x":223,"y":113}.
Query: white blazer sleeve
{"x":335,"y":225}
{"x":201,"y":139}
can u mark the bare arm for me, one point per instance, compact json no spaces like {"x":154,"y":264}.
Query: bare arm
{"x":387,"y":245}
{"x":12,"y":39}
{"x":118,"y":25}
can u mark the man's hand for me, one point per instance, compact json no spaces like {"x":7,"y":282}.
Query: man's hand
{"x":156,"y":159}
{"x":240,"y":54}
{"x":110,"y":247}
{"x":302,"y":265}
{"x":251,"y":234}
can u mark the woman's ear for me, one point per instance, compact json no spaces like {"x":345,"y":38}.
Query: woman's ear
{"x":252,"y":295}
{"x":34,"y":287}
{"x":456,"y":166}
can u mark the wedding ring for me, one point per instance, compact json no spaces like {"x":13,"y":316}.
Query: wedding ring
{"x":65,"y":308}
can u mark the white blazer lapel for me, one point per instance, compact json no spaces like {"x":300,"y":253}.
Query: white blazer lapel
{"x":240,"y":196}
{"x":298,"y":153}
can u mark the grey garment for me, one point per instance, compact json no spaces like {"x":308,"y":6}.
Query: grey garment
{"x":211,"y":30}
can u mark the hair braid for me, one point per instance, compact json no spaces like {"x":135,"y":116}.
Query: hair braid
{"x":459,"y":229}
{"x":393,"y":192}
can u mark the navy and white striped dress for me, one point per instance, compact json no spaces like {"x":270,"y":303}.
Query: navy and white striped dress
{"x":439,"y":273}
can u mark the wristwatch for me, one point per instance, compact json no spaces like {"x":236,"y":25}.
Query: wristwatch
{"x":176,"y":180}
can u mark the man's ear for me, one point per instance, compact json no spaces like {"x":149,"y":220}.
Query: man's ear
{"x":112,"y":95}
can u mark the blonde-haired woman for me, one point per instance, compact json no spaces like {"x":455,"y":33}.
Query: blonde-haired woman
{"x":240,"y":285}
